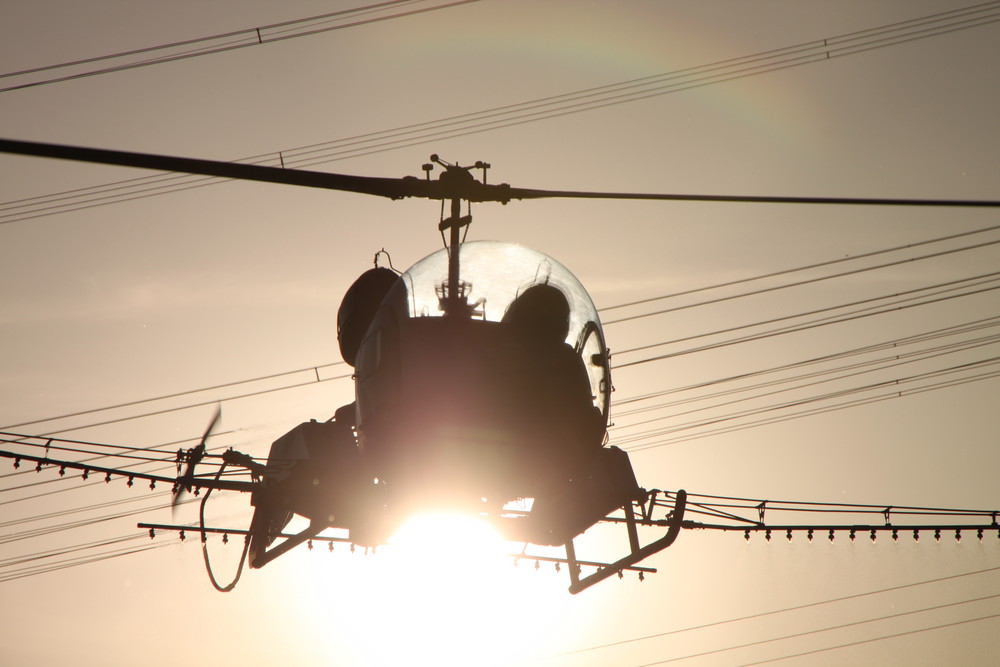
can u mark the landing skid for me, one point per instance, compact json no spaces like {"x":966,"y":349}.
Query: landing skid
{"x":675,"y":523}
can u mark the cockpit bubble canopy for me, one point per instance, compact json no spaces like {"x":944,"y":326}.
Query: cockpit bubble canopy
{"x":493,"y":275}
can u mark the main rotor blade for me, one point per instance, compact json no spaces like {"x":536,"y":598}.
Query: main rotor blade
{"x":394,"y":188}
{"x":398,"y":188}
{"x":525,"y":193}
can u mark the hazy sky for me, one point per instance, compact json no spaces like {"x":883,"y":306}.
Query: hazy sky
{"x":126,"y":296}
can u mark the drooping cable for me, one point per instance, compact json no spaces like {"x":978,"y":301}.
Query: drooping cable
{"x":839,"y":626}
{"x":804,"y":281}
{"x":220,"y":43}
{"x":775,"y":612}
{"x":840,"y":373}
{"x":782,"y":272}
{"x":927,"y":336}
{"x":526,"y":112}
{"x":911,"y":299}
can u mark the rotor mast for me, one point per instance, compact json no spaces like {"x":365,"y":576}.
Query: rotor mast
{"x":456,"y":179}
{"x":454,"y":274}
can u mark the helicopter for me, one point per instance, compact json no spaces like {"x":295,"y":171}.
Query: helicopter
{"x":482,"y":380}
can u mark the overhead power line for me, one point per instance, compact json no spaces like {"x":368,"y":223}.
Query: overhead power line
{"x":212,"y":44}
{"x":83,"y":560}
{"x":910,"y":299}
{"x":891,"y":388}
{"x":967,"y":327}
{"x":214,"y":401}
{"x":870,"y":640}
{"x":81,"y":509}
{"x":804,"y":380}
{"x":315,"y":374}
{"x":806,"y":281}
{"x":41,"y":555}
{"x":831,"y":628}
{"x":775,"y":612}
{"x":809,"y":412}
{"x":315,"y":370}
{"x":524,"y":112}
{"x":797,"y":269}
{"x":81,"y":523}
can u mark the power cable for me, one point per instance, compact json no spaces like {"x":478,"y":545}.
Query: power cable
{"x":216,"y":387}
{"x":841,"y":626}
{"x":774,"y":274}
{"x":911,"y":300}
{"x":527,"y":112}
{"x":967,"y":327}
{"x":55,"y":567}
{"x":651,"y":86}
{"x":819,"y":398}
{"x":894,"y":635}
{"x":774,"y":612}
{"x":805,"y":281}
{"x":79,"y":510}
{"x":189,"y":406}
{"x":848,"y":371}
{"x":62,"y":551}
{"x":817,"y":411}
{"x":315,"y":370}
{"x":223,"y":42}
{"x":82,"y":523}
{"x":808,"y":325}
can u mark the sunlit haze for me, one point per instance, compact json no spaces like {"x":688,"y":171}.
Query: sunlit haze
{"x":773,"y":352}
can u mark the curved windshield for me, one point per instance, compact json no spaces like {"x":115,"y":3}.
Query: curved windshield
{"x":493,"y":275}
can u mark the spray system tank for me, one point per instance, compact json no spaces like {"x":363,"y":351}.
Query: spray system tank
{"x":358,"y":308}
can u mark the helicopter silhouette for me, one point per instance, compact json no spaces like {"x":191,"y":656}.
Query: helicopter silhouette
{"x":482,"y":378}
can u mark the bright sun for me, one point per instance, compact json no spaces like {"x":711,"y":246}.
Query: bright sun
{"x":444,"y":592}
{"x":425,"y":538}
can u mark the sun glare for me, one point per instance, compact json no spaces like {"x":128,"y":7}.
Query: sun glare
{"x":432,"y":540}
{"x":443,"y":592}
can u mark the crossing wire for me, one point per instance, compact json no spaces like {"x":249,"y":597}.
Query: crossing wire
{"x":189,"y":406}
{"x":315,"y":370}
{"x":910,"y":300}
{"x":815,"y":411}
{"x":223,"y":42}
{"x":743,"y":339}
{"x":525,"y":112}
{"x":968,"y":327}
{"x":133,"y":417}
{"x":860,"y":642}
{"x":775,"y":612}
{"x":847,"y":371}
{"x":163,"y":397}
{"x":807,"y":267}
{"x":895,"y":382}
{"x":841,"y":626}
{"x":802,"y":282}
{"x":85,"y":560}
{"x":80,"y":509}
